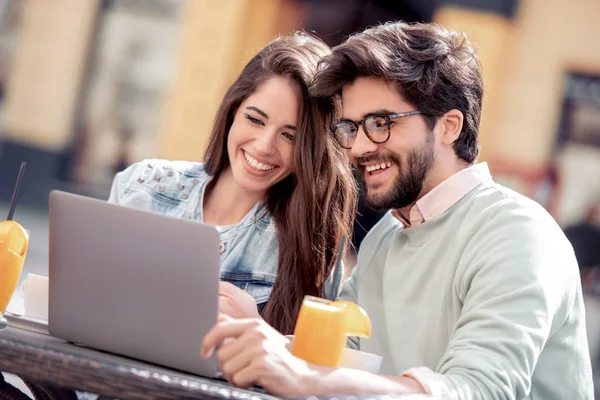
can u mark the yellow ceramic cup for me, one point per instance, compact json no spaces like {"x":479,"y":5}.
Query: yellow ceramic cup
{"x":323,"y":327}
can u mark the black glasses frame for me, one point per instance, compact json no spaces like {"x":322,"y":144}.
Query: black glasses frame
{"x":388,"y":118}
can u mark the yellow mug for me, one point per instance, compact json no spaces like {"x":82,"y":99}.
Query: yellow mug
{"x":322,"y":329}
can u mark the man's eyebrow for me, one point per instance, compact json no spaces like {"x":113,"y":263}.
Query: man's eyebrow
{"x":258,"y":110}
{"x":381,"y":111}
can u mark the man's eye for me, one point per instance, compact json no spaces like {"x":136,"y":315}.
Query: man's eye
{"x":380,"y":123}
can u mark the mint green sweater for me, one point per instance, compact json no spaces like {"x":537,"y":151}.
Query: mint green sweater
{"x":487,"y":296}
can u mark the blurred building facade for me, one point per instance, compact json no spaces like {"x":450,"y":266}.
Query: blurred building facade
{"x":90,"y":86}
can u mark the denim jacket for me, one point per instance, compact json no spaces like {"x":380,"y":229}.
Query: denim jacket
{"x":249,"y":249}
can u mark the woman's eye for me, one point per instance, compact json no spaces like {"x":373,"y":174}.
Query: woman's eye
{"x":254,"y":121}
{"x":288,"y":136}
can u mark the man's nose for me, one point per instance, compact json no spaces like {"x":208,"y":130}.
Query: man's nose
{"x":362,"y":144}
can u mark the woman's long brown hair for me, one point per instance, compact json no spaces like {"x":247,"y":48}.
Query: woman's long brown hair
{"x":315,"y":205}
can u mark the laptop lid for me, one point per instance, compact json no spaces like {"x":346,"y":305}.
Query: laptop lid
{"x":131,"y":282}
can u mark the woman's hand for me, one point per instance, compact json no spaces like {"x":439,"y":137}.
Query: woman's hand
{"x":235,"y":302}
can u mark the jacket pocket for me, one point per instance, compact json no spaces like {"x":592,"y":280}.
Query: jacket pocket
{"x":259,"y":290}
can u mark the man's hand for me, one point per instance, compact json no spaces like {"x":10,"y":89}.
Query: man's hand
{"x":253,"y":353}
{"x":250,"y":352}
{"x":236,"y":303}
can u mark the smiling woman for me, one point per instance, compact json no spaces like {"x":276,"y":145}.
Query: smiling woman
{"x":273,"y":179}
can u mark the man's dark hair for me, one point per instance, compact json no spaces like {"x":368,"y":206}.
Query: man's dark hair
{"x":434,"y":69}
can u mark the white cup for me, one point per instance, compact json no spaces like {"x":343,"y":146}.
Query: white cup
{"x":34,"y":290}
{"x":361,"y":360}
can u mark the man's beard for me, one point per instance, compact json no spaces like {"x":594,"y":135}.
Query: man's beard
{"x":408,"y":184}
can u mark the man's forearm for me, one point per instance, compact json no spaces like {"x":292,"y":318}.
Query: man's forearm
{"x":351,"y":381}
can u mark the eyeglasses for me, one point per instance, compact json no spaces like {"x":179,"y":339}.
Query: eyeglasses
{"x":376,"y":127}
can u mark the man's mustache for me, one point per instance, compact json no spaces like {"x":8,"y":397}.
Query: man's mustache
{"x":377,"y":157}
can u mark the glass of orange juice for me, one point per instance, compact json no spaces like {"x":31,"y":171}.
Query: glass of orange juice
{"x":323,"y":327}
{"x":14,"y":241}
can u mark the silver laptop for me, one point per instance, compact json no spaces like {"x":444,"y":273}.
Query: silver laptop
{"x":132,"y":283}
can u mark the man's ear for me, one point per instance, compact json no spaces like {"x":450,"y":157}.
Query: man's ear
{"x":450,"y":125}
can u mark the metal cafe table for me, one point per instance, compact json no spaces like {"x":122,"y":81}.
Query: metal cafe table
{"x":54,"y":369}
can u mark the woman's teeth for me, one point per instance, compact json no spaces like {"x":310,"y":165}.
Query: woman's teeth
{"x":383,"y":165}
{"x":256,"y":164}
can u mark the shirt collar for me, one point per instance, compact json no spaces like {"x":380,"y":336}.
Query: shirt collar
{"x":445,"y":195}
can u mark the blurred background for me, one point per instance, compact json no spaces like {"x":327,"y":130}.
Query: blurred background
{"x":88,"y":87}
